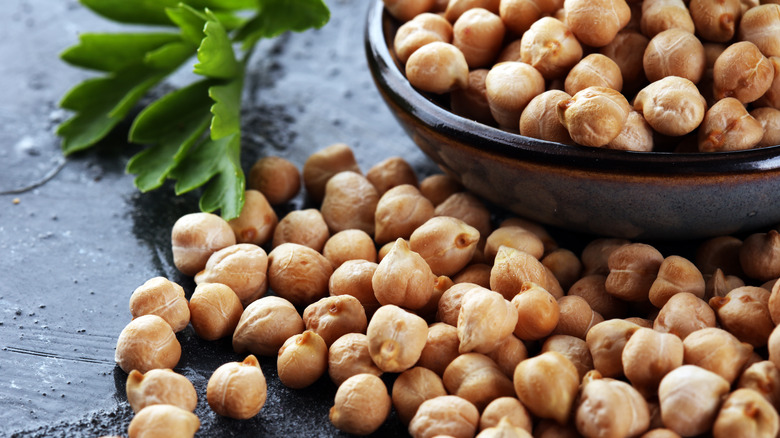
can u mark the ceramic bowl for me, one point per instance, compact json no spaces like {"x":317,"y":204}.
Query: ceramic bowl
{"x":634,"y":195}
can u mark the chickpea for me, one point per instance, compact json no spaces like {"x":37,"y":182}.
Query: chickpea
{"x":399,"y":212}
{"x":594,"y":116}
{"x":720,"y":252}
{"x":242,"y":267}
{"x":674,"y":52}
{"x":573,"y":348}
{"x":758,"y":255}
{"x":195,"y":237}
{"x":361,"y":405}
{"x":676,"y":275}
{"x":475,"y":331}
{"x":742,"y":72}
{"x":468,"y":208}
{"x":354,"y":278}
{"x":476,"y":378}
{"x":538,"y":312}
{"x":391,"y":172}
{"x":277,"y":178}
{"x":609,"y":407}
{"x":455,"y":8}
{"x":215,"y":310}
{"x":446,"y":243}
{"x":437,"y":67}
{"x":348,"y":356}
{"x":683,"y":314}
{"x":627,"y":50}
{"x":769,"y":119}
{"x":323,"y":164}
{"x":745,"y":413}
{"x":160,"y":386}
{"x":637,"y":135}
{"x":471,"y":102}
{"x":304,"y":227}
{"x":298,"y":273}
{"x":507,"y":409}
{"x":163,"y":421}
{"x":164,"y":298}
{"x":477,"y":273}
{"x":576,"y":317}
{"x":612,"y":15}
{"x":672,"y":106}
{"x":445,"y":415}
{"x":648,"y":356}
{"x":592,"y":288}
{"x":594,"y":70}
{"x":540,"y":118}
{"x":520,"y":15}
{"x":450,"y":302}
{"x":513,"y":267}
{"x":438,"y":187}
{"x":549,"y":242}
{"x":745,"y":313}
{"x":478,"y":33}
{"x":302,"y":360}
{"x":550,"y":47}
{"x":510,"y":86}
{"x":547,"y":385}
{"x":504,"y":428}
{"x":772,"y":96}
{"x":237,"y":389}
{"x":441,"y":347}
{"x":660,"y":433}
{"x":403,"y":278}
{"x":660,"y":15}
{"x":422,"y":29}
{"x":715,"y":21}
{"x":690,"y":397}
{"x":727,"y":126}
{"x":146,"y":343}
{"x":773,"y":345}
{"x":514,"y":237}
{"x":510,"y":352}
{"x":718,"y":351}
{"x":349,"y":203}
{"x":763,"y":377}
{"x":335,"y":316}
{"x":632,"y":270}
{"x":347,"y":245}
{"x":412,"y":388}
{"x":265,"y":325}
{"x":257,"y":220}
{"x":396,"y":338}
{"x":759,"y":25}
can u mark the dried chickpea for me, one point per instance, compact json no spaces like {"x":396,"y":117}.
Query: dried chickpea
{"x":758,"y":255}
{"x":510,"y":352}
{"x":399,"y":212}
{"x":774,"y":302}
{"x":275,"y":177}
{"x":769,"y":119}
{"x":348,"y":356}
{"x":632,"y":270}
{"x":674,"y":52}
{"x":594,"y":116}
{"x":718,"y":351}
{"x":727,"y":126}
{"x":660,"y":433}
{"x":477,"y":273}
{"x":438,"y":187}
{"x":468,"y":208}
{"x":514,"y":237}
{"x":606,"y":342}
{"x":405,"y":10}
{"x":573,"y":348}
{"x":720,"y":252}
{"x":302,"y":360}
{"x":471,"y":102}
{"x":745,"y":313}
{"x":146,"y":343}
{"x":760,"y":25}
{"x":441,"y":347}
{"x":446,"y":415}
{"x":163,"y":421}
{"x":334,"y":316}
{"x":510,"y":86}
{"x":627,"y":50}
{"x":237,"y":389}
{"x":540,"y":118}
{"x":265,"y":325}
{"x":349,"y":203}
{"x":773,"y":345}
{"x":411,"y":388}
{"x":195,"y":237}
{"x":547,"y":385}
{"x":637,"y":135}
{"x":508,"y":409}
{"x":446,"y":243}
{"x":742,"y":72}
{"x":594,"y":70}
{"x":403,"y":278}
{"x":354,"y":277}
{"x":690,"y":397}
{"x":611,"y":16}
{"x":257,"y":220}
{"x":323,"y":164}
{"x":763,"y":377}
{"x":549,"y":243}
{"x":648,"y":356}
{"x":512,"y":268}
{"x":660,"y":15}
{"x":676,"y":275}
{"x":611,"y":408}
{"x":422,"y":29}
{"x":537,"y":312}
{"x":347,"y":245}
{"x":476,"y":378}
{"x":450,"y":302}
{"x":160,"y":386}
{"x":455,"y":8}
{"x":242,"y":267}
{"x":683,"y":314}
{"x":772,"y":96}
{"x":745,"y":413}
{"x":504,"y":429}
{"x":304,"y":227}
{"x":164,"y":298}
{"x":550,"y":47}
{"x":396,"y":338}
{"x":576,"y":317}
{"x":715,"y":21}
{"x":551,"y":429}
{"x":592,"y":288}
{"x":361,"y":405}
{"x":520,"y":15}
{"x":475,"y":331}
{"x":437,"y":67}
{"x":596,"y":254}
{"x":478,"y":33}
{"x":672,"y":106}
{"x":215,"y":311}
{"x":565,"y":266}
{"x":391,"y":172}
{"x":298,"y":273}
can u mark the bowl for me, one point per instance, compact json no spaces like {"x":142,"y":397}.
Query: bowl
{"x":632,"y":195}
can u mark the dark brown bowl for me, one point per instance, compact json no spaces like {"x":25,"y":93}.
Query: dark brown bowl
{"x":634,"y":195}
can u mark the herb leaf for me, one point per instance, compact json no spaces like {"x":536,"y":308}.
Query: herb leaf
{"x":278,"y":16}
{"x":215,"y":54}
{"x":113,"y":52}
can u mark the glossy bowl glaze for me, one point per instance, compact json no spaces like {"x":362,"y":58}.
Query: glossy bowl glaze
{"x":634,"y":195}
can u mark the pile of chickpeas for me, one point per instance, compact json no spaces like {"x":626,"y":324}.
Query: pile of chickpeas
{"x":490,"y":329}
{"x":652,"y":75}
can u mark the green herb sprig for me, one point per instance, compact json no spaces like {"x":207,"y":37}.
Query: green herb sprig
{"x":193,"y":134}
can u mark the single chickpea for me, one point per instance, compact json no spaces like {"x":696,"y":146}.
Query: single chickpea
{"x":354,"y":277}
{"x":257,"y":220}
{"x":719,"y":285}
{"x":302,"y":360}
{"x":551,"y":429}
{"x":265,"y":325}
{"x":510,"y":352}
{"x":478,"y":33}
{"x":772,"y":96}
{"x":411,"y":388}
{"x":195,"y":237}
{"x":450,"y":302}
{"x":510,"y":86}
{"x":717,"y":350}
{"x":304,"y":227}
{"x":513,"y":237}
{"x":683,"y":314}
{"x":774,"y":302}
{"x":745,"y":313}
{"x":550,"y":47}
{"x":760,"y":25}
{"x":720,"y":252}
{"x":349,"y":203}
{"x":477,"y":273}
{"x":422,"y":29}
{"x":469,"y":209}
{"x":445,"y":415}
{"x":441,"y":347}
{"x":455,"y":8}
{"x":628,"y":414}
{"x":160,"y":386}
{"x":446,"y":243}
{"x":512,"y":52}
{"x":594,"y":116}
{"x":592,"y":288}
{"x":242,"y":267}
{"x":406,"y":10}
{"x":237,"y":389}
{"x":298,"y":273}
{"x":742,"y":72}
{"x":348,"y":356}
{"x":565,"y":266}
{"x":632,"y":270}
{"x":471,"y":102}
{"x":674,"y":52}
{"x":164,"y":298}
{"x":690,"y":397}
{"x":573,"y":348}
{"x":508,"y":409}
{"x":769,"y":119}
{"x":476,"y":378}
{"x":513,"y":267}
{"x":347,"y":245}
{"x":215,"y":310}
{"x":480,"y":334}
{"x":520,"y":15}
{"x":547,"y":385}
{"x":660,"y":432}
{"x":715,"y":21}
{"x":549,"y":242}
{"x":763,"y":377}
{"x":332,"y":317}
{"x":323,"y":164}
{"x":438,"y":187}
{"x":676,"y":275}
{"x":540,"y":118}
{"x":594,"y":70}
{"x":642,"y":322}
{"x":396,"y":338}
{"x":595,"y":255}
{"x":275,"y":177}
{"x":361,"y":405}
{"x":163,"y":421}
{"x":612,"y":15}
{"x":660,"y":15}
{"x":627,"y":50}
{"x":637,"y":135}
{"x":606,"y":342}
{"x":391,"y":172}
{"x":727,"y":126}
{"x":758,"y":255}
{"x":672,"y":106}
{"x":648,"y":356}
{"x":538,"y":312}
{"x":437,"y":67}
{"x":773,"y":345}
{"x":503,"y":429}
{"x":745,"y":413}
{"x":403,"y":278}
{"x":146,"y":343}
{"x":399,"y":212}
{"x":576,"y":317}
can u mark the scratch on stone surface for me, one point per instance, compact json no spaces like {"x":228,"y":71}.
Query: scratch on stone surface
{"x":58,"y":356}
{"x":61,"y":162}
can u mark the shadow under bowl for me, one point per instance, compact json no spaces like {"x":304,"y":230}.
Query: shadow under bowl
{"x":633,"y":195}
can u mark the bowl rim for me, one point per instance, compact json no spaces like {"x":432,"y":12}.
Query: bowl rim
{"x":388,"y":76}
